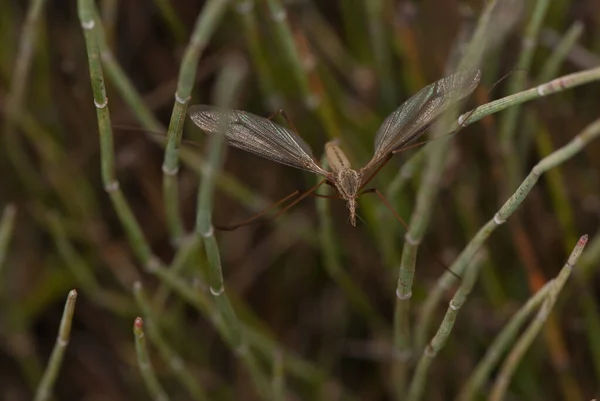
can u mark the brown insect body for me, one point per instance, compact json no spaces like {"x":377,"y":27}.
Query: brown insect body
{"x":346,"y":181}
{"x":264,"y":138}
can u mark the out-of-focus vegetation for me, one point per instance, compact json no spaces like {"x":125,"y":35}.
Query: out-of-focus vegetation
{"x":303,"y":307}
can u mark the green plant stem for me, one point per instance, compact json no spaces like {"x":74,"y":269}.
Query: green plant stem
{"x":16,"y":97}
{"x":284,"y":36}
{"x":247,"y":17}
{"x":122,"y":82}
{"x":109,"y":20}
{"x":501,"y":343}
{"x":387,"y":236}
{"x":556,"y":85}
{"x":168,"y":354}
{"x":563,"y":209}
{"x":83,"y":273}
{"x":7,"y":225}
{"x":417,"y":385}
{"x":232,"y":327}
{"x":376,"y":15}
{"x":257,"y":340}
{"x":508,"y":123}
{"x":555,"y":159}
{"x":146,"y":370}
{"x":69,"y":184}
{"x":148,"y":121}
{"x":325,"y":38}
{"x":527,"y":338}
{"x":44,"y":390}
{"x":435,"y":159}
{"x":167,"y":12}
{"x":561,"y":51}
{"x":188,"y":247}
{"x":278,"y":382}
{"x":111,"y":184}
{"x":23,"y":61}
{"x":312,"y":100}
{"x":206,"y":23}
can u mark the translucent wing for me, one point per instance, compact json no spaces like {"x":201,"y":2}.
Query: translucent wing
{"x":256,"y":135}
{"x":419,"y":112}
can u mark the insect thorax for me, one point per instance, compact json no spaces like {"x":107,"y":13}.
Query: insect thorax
{"x":347,"y":183}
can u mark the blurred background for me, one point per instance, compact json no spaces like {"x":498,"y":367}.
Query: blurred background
{"x":318,"y":294}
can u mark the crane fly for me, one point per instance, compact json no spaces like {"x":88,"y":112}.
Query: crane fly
{"x":262,"y":137}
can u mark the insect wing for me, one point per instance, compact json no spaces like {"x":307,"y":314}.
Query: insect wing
{"x":420,"y":111}
{"x":256,"y":135}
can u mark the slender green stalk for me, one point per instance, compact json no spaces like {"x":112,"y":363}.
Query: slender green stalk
{"x":312,"y":99}
{"x":552,"y":65}
{"x":207,"y":21}
{"x":82,"y":271}
{"x":278,"y":382}
{"x":284,"y":36}
{"x":556,"y":85}
{"x":247,"y":17}
{"x":44,"y":390}
{"x":16,"y":96}
{"x":376,"y":15}
{"x":556,"y":187}
{"x":258,"y":341}
{"x":78,"y":266}
{"x":148,"y":121}
{"x":167,"y":12}
{"x":7,"y":225}
{"x":233,"y":329}
{"x":405,"y":173}
{"x":188,"y":247}
{"x":501,"y":343}
{"x":147,"y":371}
{"x":563,"y":209}
{"x":527,"y":338}
{"x":387,"y":234}
{"x":111,"y":184}
{"x":110,"y":9}
{"x":417,"y":385}
{"x":560,"y":84}
{"x":419,"y":221}
{"x":22,"y":64}
{"x":69,"y":184}
{"x":555,"y":159}
{"x":168,"y":354}
{"x":470,"y":220}
{"x":508,"y":123}
{"x":122,"y":82}
{"x":356,"y":33}
{"x":325,"y":38}
{"x":125,"y":87}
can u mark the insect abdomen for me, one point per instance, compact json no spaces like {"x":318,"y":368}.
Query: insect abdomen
{"x":336,"y":158}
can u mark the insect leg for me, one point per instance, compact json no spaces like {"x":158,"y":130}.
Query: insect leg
{"x":391,"y":209}
{"x":326,"y":196}
{"x":387,"y":204}
{"x":255,"y":218}
{"x":287,"y":119}
{"x":304,"y":195}
{"x":374,"y":173}
{"x":257,"y":215}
